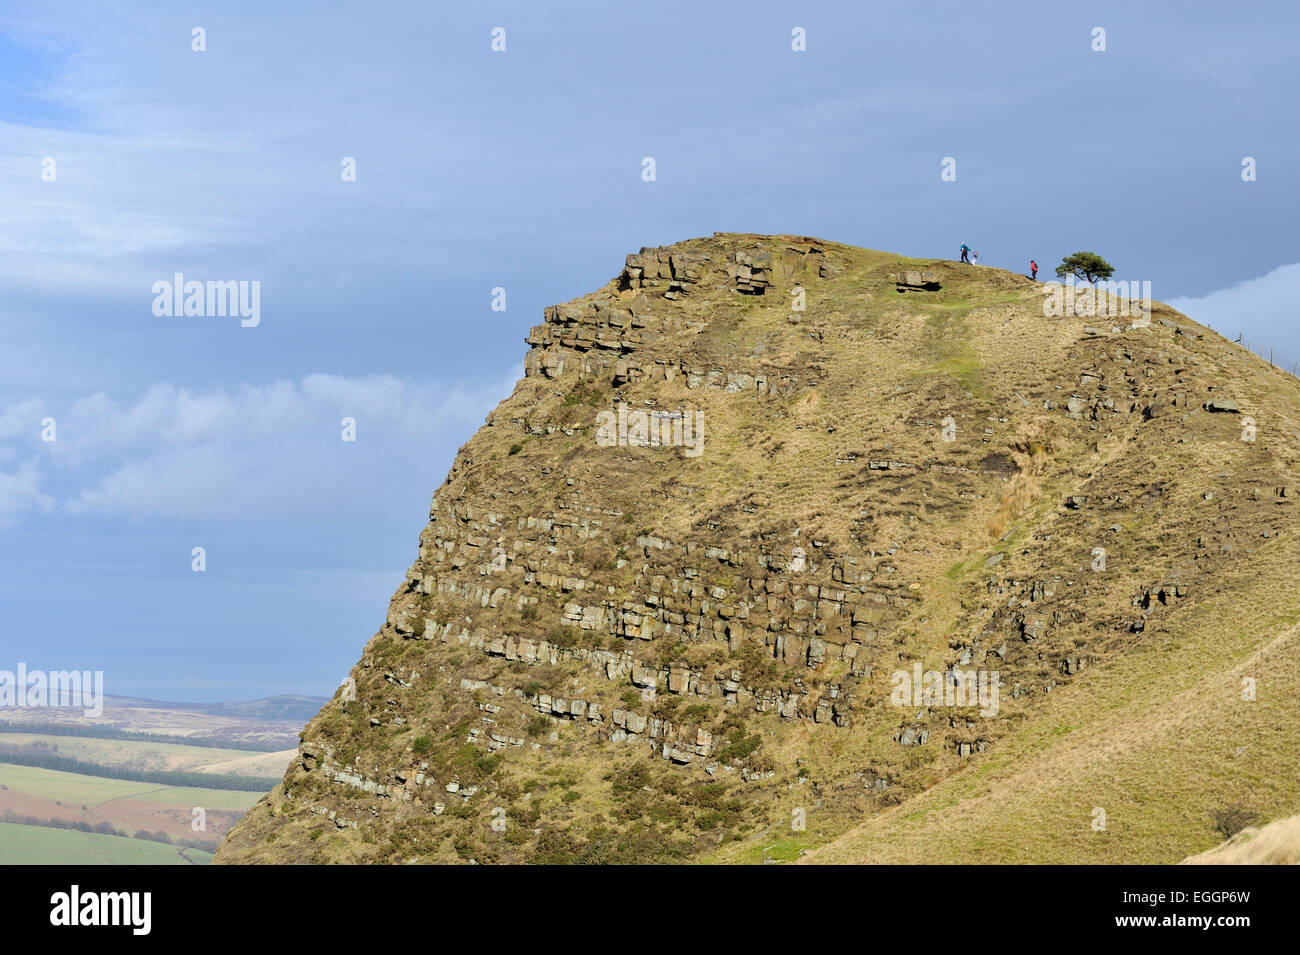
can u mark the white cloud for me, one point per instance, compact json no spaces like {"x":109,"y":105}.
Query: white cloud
{"x":252,"y":452}
{"x":19,"y":418}
{"x":20,"y":492}
{"x":1262,"y":310}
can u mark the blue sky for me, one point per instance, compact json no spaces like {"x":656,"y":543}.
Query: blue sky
{"x":519,"y":169}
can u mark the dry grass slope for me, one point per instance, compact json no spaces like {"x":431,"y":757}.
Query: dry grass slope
{"x":1277,"y":843}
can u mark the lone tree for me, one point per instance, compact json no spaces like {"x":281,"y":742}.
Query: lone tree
{"x":1085,"y":266}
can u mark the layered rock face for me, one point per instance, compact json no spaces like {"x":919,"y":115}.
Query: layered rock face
{"x":774,"y":535}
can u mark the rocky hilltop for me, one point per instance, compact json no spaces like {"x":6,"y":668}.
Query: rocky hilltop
{"x":784,"y":546}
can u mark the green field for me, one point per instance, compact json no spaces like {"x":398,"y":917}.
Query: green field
{"x":148,"y":756}
{"x":95,"y":790}
{"x":38,"y":845}
{"x":55,"y":808}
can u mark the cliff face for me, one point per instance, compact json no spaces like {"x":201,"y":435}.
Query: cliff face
{"x":699,"y":586}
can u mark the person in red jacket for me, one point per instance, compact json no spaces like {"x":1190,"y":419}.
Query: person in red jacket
{"x":1033,"y":270}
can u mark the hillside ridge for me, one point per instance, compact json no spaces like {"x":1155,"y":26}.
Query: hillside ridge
{"x":672,"y":594}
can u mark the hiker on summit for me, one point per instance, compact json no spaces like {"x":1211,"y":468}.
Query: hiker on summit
{"x":965,"y":253}
{"x":975,"y":257}
{"x":1033,"y":270}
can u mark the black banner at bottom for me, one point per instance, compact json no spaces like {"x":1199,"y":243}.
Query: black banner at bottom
{"x":141,"y":904}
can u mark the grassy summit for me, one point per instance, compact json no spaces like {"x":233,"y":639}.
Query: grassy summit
{"x":610,"y":652}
